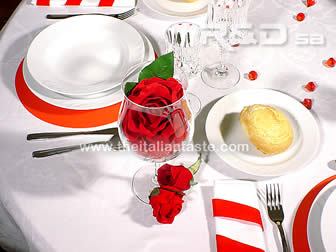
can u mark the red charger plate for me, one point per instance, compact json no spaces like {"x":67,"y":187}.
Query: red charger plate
{"x":300,"y":225}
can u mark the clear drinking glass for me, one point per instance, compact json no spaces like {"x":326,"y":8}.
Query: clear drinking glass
{"x":154,"y":133}
{"x":184,"y":39}
{"x":225,"y":17}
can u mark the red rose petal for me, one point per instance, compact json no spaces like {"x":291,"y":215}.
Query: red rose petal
{"x":331,"y":62}
{"x":310,"y":86}
{"x":300,"y":17}
{"x":308,"y":103}
{"x":310,"y":3}
{"x":253,"y":75}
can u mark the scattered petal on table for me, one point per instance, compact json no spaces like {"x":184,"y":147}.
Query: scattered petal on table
{"x":310,"y":86}
{"x":300,"y":17}
{"x":308,"y":103}
{"x":331,"y":62}
{"x":310,"y":3}
{"x":253,"y":75}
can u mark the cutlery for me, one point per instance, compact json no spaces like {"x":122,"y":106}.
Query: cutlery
{"x":275,"y":211}
{"x":53,"y":135}
{"x":114,"y":143}
{"x":120,"y":16}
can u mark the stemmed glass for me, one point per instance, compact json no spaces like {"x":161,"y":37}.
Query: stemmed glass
{"x":225,"y":17}
{"x":155,"y":133}
{"x":184,"y":39}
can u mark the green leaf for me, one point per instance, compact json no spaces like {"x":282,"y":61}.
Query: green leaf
{"x":156,"y":191}
{"x":193,"y":182}
{"x":195,"y":167}
{"x":129,"y":87}
{"x":162,"y":67}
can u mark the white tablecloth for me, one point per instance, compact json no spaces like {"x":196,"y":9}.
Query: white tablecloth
{"x":83,"y":201}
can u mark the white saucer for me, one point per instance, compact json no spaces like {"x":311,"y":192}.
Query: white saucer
{"x":111,"y":96}
{"x":223,"y":129}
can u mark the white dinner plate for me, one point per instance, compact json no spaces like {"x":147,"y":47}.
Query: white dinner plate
{"x":84,"y":55}
{"x":223,"y":129}
{"x":178,"y":8}
{"x":111,"y":97}
{"x":322,"y":221}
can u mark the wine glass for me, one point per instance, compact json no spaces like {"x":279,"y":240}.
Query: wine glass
{"x":184,"y":39}
{"x":225,"y":17}
{"x":155,"y":132}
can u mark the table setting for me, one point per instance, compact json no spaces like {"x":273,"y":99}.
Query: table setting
{"x":168,"y":125}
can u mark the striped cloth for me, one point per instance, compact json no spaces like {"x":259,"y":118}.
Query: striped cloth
{"x":91,"y":3}
{"x":238,"y":220}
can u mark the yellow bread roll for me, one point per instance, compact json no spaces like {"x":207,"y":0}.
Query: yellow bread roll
{"x":267,"y":128}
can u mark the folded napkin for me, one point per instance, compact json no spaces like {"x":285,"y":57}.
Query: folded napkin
{"x":93,"y":3}
{"x":238,"y":220}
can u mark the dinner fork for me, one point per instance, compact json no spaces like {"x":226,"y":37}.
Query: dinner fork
{"x":275,"y":211}
{"x":120,"y":16}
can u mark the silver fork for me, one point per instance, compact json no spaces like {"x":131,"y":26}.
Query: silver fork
{"x":275,"y":211}
{"x":120,"y":16}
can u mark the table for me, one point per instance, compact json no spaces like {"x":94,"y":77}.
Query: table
{"x":83,"y":201}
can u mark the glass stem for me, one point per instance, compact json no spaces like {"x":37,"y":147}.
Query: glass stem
{"x":156,"y":166}
{"x":222,"y":69}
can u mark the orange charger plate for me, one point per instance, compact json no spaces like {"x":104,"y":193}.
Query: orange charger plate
{"x":60,"y":116}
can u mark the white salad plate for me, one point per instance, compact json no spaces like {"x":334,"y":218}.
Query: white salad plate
{"x":104,"y":99}
{"x":232,"y":145}
{"x":178,"y":8}
{"x":84,"y":55}
{"x":322,"y":221}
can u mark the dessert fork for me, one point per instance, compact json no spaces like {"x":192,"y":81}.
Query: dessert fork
{"x":275,"y":211}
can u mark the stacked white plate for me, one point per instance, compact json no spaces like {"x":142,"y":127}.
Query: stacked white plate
{"x":79,"y":63}
{"x":178,"y":8}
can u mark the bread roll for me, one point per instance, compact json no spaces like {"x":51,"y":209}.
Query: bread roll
{"x":267,"y":128}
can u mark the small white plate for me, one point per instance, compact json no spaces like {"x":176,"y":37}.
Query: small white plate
{"x":111,"y":97}
{"x":178,"y":8}
{"x":322,"y":221}
{"x":84,"y":55}
{"x":223,"y":129}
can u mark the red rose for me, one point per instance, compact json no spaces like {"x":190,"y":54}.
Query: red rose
{"x":159,"y":127}
{"x":166,"y":204}
{"x":177,"y":177}
{"x":156,"y":92}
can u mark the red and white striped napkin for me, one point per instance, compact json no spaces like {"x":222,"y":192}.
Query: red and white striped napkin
{"x":238,"y":220}
{"x":90,"y":3}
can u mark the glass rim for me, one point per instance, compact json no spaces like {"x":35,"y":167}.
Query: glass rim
{"x":146,"y":107}
{"x":199,"y":32}
{"x":184,"y":23}
{"x":243,"y":5}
